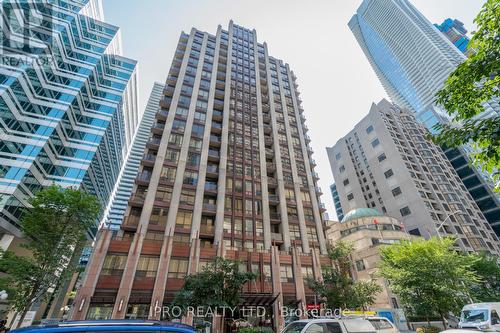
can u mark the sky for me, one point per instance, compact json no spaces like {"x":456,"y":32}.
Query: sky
{"x":336,"y":82}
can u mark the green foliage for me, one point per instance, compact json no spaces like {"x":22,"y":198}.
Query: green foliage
{"x":218,"y":284}
{"x":429,"y":276}
{"x":488,"y":270}
{"x":54,"y":226}
{"x":338,"y":287}
{"x":473,"y":83}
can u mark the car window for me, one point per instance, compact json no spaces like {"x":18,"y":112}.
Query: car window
{"x":315,"y":328}
{"x":333,"y":328}
{"x":294,"y":328}
{"x":358,"y":325}
{"x":380,"y":324}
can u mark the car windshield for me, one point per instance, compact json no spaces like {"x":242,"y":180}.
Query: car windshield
{"x":294,"y":328}
{"x":474,"y":316}
{"x":358,"y":325}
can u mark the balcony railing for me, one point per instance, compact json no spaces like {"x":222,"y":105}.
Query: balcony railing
{"x":210,"y":207}
{"x":144,"y":176}
{"x":210,"y":187}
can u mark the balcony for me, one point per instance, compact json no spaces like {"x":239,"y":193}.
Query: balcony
{"x":143,"y":177}
{"x":218,"y":104}
{"x":169,"y":91}
{"x":216,"y":128}
{"x":165,"y":102}
{"x":207,"y":229}
{"x":209,"y":208}
{"x":213,"y":155}
{"x":267,"y":129}
{"x":318,"y":190}
{"x":274,"y":198}
{"x":172,"y":80}
{"x":271,"y":182}
{"x":307,"y":137}
{"x":275,"y":216}
{"x":211,"y":187}
{"x":312,"y":161}
{"x":131,"y":221}
{"x":269,"y":153}
{"x":271,"y":167}
{"x":162,"y":114}
{"x":268,"y":141}
{"x":212,"y":171}
{"x":217,"y":115}
{"x":220,"y":84}
{"x":315,"y":175}
{"x":153,"y":143}
{"x":322,"y":207}
{"x":276,"y":237}
{"x":158,"y":128}
{"x":149,"y":159}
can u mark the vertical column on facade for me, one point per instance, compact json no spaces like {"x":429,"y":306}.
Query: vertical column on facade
{"x":162,"y":271}
{"x":262,"y":151}
{"x":279,"y":322}
{"x":285,"y":230}
{"x":318,"y":274}
{"x":312,"y":189}
{"x":82,"y":300}
{"x":299,"y":281}
{"x":295,"y":176}
{"x":135,"y":248}
{"x":221,"y":184}
{"x":200,"y":188}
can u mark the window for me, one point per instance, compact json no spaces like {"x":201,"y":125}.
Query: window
{"x":342,"y":168}
{"x":382,"y":157}
{"x":286,"y":273}
{"x":375,"y":143}
{"x":360,"y":265}
{"x":369,"y":129}
{"x":177,"y":268}
{"x":388,"y":173}
{"x":315,"y":328}
{"x":350,"y":196}
{"x":147,"y":266}
{"x":380,"y":324}
{"x":405,"y":211}
{"x":184,"y":220}
{"x":346,"y":182}
{"x":114,"y":264}
{"x":307,"y":272}
{"x":187,"y":197}
{"x":396,"y":191}
{"x":333,"y":328}
{"x":337,"y":157}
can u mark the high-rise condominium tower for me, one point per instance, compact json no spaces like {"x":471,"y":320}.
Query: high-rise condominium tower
{"x":113,"y":216}
{"x":68,"y":103}
{"x":228,"y":172}
{"x":412,"y":59}
{"x":387,"y":163}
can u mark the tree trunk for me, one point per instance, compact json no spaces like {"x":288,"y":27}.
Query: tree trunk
{"x":444,"y":321}
{"x":428,"y":321}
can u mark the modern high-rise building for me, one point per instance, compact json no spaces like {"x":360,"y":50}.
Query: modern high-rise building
{"x":228,"y":172}
{"x":412,"y":60}
{"x":113,"y":216}
{"x":68,"y":103}
{"x":455,"y":31}
{"x":387,"y":163}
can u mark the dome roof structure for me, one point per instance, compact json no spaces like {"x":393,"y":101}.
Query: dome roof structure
{"x":359,"y":213}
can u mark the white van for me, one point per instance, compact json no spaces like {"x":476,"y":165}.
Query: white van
{"x":481,"y":316}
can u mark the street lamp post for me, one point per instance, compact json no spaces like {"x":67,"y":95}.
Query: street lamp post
{"x":442,"y":223}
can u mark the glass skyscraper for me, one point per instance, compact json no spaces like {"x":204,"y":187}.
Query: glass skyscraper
{"x":412,"y":60}
{"x":113,"y":216}
{"x":455,"y":31}
{"x":68,"y":104}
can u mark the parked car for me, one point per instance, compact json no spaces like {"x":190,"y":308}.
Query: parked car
{"x":481,"y":316}
{"x":108,"y":326}
{"x":354,"y":325}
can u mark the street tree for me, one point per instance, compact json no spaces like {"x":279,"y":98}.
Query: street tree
{"x":429,"y":276}
{"x":474,"y":82}
{"x":54,"y":226}
{"x":488,"y":271}
{"x":338,"y":288}
{"x":219,"y":284}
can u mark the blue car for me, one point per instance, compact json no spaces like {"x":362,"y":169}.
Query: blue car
{"x":110,"y":326}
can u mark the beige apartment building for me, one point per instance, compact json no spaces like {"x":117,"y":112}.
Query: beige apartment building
{"x":387,"y":162}
{"x":367,"y":230}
